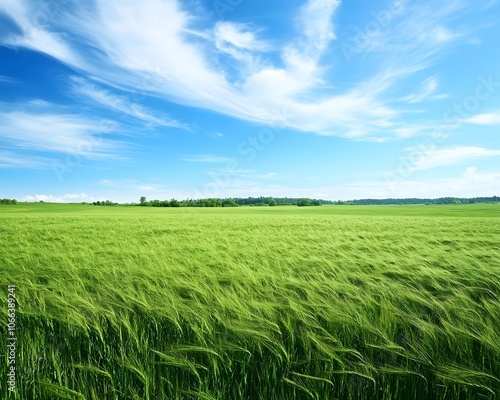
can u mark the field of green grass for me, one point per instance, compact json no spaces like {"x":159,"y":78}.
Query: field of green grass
{"x":332,"y":302}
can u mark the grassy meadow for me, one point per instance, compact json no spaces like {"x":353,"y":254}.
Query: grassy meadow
{"x":331,"y":302}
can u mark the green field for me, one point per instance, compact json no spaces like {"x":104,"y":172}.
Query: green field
{"x":332,"y":302}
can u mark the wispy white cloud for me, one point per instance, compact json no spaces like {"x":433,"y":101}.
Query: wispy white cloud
{"x":46,"y":127}
{"x":121,"y":104}
{"x":31,"y":19}
{"x":315,"y":23}
{"x":441,"y":34}
{"x":422,"y":128}
{"x":65,"y":198}
{"x":238,"y":35}
{"x":241,"y":42}
{"x":428,"y":87}
{"x":107,"y":41}
{"x":418,"y":30}
{"x":7,"y":79}
{"x":280,"y":87}
{"x":492,"y":118}
{"x":473,"y":176}
{"x":471,"y":172}
{"x":449,"y":156}
{"x":207,"y":158}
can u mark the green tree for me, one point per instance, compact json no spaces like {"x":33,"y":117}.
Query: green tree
{"x":174,"y":203}
{"x":143,"y":200}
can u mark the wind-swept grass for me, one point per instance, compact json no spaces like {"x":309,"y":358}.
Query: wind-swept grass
{"x":254,"y":303}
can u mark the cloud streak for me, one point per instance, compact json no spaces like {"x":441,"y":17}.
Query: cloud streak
{"x":6,"y":79}
{"x":65,"y":198}
{"x":492,"y":118}
{"x":45,"y":127}
{"x":450,"y":156}
{"x":121,"y":104}
{"x":428,"y":87}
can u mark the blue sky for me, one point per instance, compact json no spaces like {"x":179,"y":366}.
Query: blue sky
{"x":115,"y":99}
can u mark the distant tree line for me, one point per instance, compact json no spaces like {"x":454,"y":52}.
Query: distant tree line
{"x":104,"y":203}
{"x":308,"y":202}
{"x":287,"y":201}
{"x":280,"y":201}
{"x":8,"y":201}
{"x":232,"y":202}
{"x":189,"y":203}
{"x":441,"y":200}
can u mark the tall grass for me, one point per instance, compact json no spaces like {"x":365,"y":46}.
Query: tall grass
{"x":254,"y":304}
